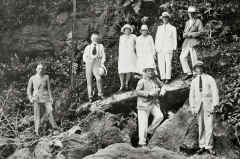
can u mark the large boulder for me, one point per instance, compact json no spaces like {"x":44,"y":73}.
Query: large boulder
{"x":180,"y":132}
{"x":126,"y":151}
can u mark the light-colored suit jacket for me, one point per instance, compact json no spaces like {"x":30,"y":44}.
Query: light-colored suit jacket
{"x":88,"y":57}
{"x":209,"y":95}
{"x":166,"y":38}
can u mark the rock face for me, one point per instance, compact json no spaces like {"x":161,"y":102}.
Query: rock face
{"x":181,"y":131}
{"x":125,"y":151}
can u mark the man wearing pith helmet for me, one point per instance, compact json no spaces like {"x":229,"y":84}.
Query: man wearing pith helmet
{"x":203,"y":98}
{"x":192,"y":32}
{"x":165,"y":44}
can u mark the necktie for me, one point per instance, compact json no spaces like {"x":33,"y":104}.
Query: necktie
{"x":94,"y":51}
{"x":200,"y":83}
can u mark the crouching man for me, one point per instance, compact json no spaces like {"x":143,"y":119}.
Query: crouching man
{"x":203,"y":98}
{"x":148,"y":90}
{"x":39,"y":93}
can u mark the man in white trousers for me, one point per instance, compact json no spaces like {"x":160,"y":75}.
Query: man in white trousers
{"x":203,"y":98}
{"x":192,"y":32}
{"x":94,"y":58}
{"x":165,"y":44}
{"x":149,"y":88}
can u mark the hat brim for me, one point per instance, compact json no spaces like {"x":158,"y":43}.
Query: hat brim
{"x":197,"y":66}
{"x":161,"y":17}
{"x":126,"y":27}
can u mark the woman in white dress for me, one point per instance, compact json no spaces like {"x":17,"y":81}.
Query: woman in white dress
{"x":145,"y":50}
{"x":127,"y":56}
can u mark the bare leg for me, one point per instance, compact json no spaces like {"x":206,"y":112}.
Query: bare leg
{"x":128,"y":77}
{"x":48,"y":107}
{"x":36,"y":118}
{"x":121,"y":77}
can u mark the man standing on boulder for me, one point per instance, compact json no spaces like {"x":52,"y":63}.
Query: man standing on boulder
{"x":203,"y":98}
{"x":94,"y":58}
{"x":149,"y":88}
{"x":39,"y":93}
{"x":192,"y":32}
{"x":165,"y":44}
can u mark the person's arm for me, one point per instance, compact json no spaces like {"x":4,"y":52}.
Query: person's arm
{"x":157,"y":37}
{"x":192,"y":97}
{"x":103,"y":55}
{"x":49,"y":89}
{"x":85,"y":54}
{"x":29,"y":89}
{"x":215,"y":94}
{"x":152,"y":46}
{"x":199,"y":31}
{"x":174,"y":38}
{"x":140,"y":91}
{"x":185,"y":33}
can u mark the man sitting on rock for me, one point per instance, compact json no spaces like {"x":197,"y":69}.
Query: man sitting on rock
{"x":148,"y":90}
{"x":39,"y":93}
{"x":203,"y":98}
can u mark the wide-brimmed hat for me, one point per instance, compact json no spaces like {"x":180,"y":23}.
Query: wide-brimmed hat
{"x":102,"y":71}
{"x":198,"y":64}
{"x":149,"y":68}
{"x":127,"y":26}
{"x":144,"y":27}
{"x":165,"y":14}
{"x":192,"y":9}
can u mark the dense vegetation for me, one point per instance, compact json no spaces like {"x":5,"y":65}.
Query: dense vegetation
{"x":221,"y":20}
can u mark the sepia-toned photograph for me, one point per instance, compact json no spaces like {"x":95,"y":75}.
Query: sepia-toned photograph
{"x":119,"y":79}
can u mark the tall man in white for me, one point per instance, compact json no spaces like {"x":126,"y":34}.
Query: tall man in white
{"x":203,"y":98}
{"x":94,"y":58}
{"x":165,"y":44}
{"x":192,"y":32}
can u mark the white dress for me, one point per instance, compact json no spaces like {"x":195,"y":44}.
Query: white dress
{"x":127,"y":57}
{"x":145,"y":52}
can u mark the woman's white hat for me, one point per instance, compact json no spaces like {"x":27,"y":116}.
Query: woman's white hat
{"x":127,"y":26}
{"x":192,"y":9}
{"x":165,"y":14}
{"x":144,"y":27}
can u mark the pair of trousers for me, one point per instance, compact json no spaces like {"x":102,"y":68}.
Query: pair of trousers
{"x":47,"y":114}
{"x":165,"y":64}
{"x":92,"y":69}
{"x":205,"y":123}
{"x":184,"y":59}
{"x":143,"y":128}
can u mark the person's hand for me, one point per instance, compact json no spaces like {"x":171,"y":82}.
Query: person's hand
{"x":31,"y":100}
{"x":154,"y":93}
{"x":102,"y":63}
{"x":51,"y":100}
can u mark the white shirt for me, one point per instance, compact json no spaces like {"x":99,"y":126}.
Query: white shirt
{"x":208,"y":95}
{"x":166,"y":38}
{"x":88,"y":56}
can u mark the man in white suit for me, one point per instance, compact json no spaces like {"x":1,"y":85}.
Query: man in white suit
{"x":203,"y":98}
{"x":165,"y":44}
{"x":94,"y":58}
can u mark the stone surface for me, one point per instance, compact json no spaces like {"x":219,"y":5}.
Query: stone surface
{"x":181,"y":131}
{"x":125,"y":151}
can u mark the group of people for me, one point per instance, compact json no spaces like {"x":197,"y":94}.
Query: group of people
{"x":138,"y":55}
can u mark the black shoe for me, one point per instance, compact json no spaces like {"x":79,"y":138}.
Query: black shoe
{"x":167,"y":81}
{"x":149,"y":136}
{"x":121,"y":89}
{"x":187,"y":77}
{"x":211,"y":152}
{"x":90,"y":99}
{"x":201,"y":151}
{"x":101,"y":97}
